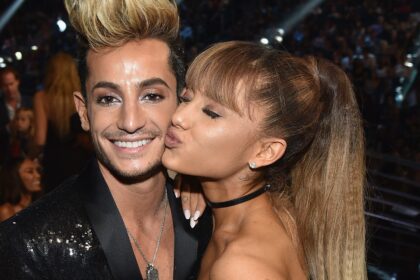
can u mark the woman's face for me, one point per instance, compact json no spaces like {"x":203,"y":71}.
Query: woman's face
{"x":23,"y":122}
{"x":209,"y":140}
{"x":30,"y":176}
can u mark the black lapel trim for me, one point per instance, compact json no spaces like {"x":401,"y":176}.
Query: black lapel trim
{"x":186,"y":244}
{"x":107,"y":223}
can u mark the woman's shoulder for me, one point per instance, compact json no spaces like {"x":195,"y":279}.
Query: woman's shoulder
{"x":244,"y":266}
{"x":39,"y":99}
{"x":6,"y":211}
{"x":39,"y":94}
{"x":261,"y":250}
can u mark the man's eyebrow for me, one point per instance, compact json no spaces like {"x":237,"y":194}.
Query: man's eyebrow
{"x":153,"y":82}
{"x":104,"y":84}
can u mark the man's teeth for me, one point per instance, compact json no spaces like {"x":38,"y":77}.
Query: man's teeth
{"x":134,"y":144}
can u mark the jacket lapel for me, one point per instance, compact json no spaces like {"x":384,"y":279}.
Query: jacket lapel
{"x":107,"y":223}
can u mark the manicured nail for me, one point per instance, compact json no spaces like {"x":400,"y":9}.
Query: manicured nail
{"x":196,"y":215}
{"x":192,"y":223}
{"x":176,"y":192}
{"x":187,"y":214}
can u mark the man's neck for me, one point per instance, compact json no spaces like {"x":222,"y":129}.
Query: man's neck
{"x":142,"y":199}
{"x":14,"y":100}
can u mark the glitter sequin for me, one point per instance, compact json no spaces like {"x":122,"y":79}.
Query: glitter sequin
{"x":52,"y":239}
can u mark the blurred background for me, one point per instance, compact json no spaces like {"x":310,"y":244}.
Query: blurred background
{"x":377,"y":42}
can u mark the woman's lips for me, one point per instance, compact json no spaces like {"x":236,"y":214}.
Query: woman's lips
{"x":171,"y":140}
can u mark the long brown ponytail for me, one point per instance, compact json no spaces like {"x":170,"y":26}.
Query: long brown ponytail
{"x":327,"y":182}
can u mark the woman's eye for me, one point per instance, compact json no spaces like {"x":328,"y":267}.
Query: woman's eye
{"x":210,"y":113}
{"x":106,"y":100}
{"x":152,"y":97}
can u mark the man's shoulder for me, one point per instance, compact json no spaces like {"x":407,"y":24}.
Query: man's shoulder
{"x":52,"y":239}
{"x":54,"y":210}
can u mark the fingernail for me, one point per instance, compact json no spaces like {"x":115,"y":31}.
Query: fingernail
{"x":196,"y":215}
{"x":176,"y":193}
{"x":192,"y":223}
{"x":187,"y":214}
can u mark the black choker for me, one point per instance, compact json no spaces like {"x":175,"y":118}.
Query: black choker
{"x":238,"y":200}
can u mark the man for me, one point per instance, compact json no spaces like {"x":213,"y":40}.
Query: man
{"x":10,"y":100}
{"x":119,"y":218}
{"x":9,"y":82}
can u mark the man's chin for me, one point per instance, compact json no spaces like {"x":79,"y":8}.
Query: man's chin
{"x":134,"y":176}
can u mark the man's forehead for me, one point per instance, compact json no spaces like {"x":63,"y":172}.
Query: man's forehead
{"x":137,"y":49}
{"x":8,"y":76}
{"x":137,"y":59}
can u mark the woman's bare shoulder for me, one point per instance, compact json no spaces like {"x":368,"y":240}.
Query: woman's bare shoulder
{"x":263,"y":251}
{"x":39,"y":94}
{"x":234,"y":265}
{"x":6,"y":211}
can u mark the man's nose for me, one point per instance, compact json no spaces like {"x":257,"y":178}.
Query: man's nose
{"x":132,"y":117}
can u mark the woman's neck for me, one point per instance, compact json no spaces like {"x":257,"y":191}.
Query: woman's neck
{"x":234,"y":215}
{"x":25,"y":200}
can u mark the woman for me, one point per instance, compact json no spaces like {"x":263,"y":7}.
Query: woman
{"x":277,"y":144}
{"x":23,"y":131}
{"x":19,"y":181}
{"x":56,"y":122}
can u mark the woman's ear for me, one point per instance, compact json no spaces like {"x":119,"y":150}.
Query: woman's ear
{"x":269,"y":150}
{"x":81,"y":108}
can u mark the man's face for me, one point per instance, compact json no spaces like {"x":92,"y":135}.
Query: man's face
{"x":131,"y":96}
{"x":10,"y":86}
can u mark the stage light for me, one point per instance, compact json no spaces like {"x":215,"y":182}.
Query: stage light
{"x":18,"y":55}
{"x":9,"y":59}
{"x":264,"y":41}
{"x":2,"y":65}
{"x":34,"y":48}
{"x":399,"y":98}
{"x":62,"y":26}
{"x":280,"y":31}
{"x":409,"y":64}
{"x":279,"y":38}
{"x":1,"y":59}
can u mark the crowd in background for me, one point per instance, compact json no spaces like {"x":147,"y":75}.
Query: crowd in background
{"x":39,"y":132}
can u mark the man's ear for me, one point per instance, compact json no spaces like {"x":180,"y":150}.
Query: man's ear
{"x":269,"y":151}
{"x":81,"y":108}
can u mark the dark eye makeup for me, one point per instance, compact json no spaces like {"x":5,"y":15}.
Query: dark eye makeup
{"x":210,"y":113}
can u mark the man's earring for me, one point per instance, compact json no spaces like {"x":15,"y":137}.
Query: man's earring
{"x":252,"y":165}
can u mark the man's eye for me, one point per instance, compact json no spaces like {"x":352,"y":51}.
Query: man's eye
{"x":106,"y":100}
{"x":211,"y":114}
{"x":152,"y":97}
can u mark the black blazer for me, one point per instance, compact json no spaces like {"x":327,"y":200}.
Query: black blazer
{"x":76,"y":232}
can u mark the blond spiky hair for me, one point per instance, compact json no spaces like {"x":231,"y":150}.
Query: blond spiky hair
{"x":111,"y":23}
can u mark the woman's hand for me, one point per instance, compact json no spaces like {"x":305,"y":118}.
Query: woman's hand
{"x":192,"y":199}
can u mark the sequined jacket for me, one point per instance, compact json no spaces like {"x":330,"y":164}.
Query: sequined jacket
{"x":76,"y":232}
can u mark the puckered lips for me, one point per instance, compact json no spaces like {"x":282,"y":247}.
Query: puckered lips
{"x":171,"y":139}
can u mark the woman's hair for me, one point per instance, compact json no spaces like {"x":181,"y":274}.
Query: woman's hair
{"x":11,"y":185}
{"x":30,"y":113}
{"x":310,"y":103}
{"x":61,"y":80}
{"x":112,"y":23}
